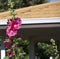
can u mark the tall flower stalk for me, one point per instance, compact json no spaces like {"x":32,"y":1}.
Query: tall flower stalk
{"x":12,"y":44}
{"x":11,"y":8}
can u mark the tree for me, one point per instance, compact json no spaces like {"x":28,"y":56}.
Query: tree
{"x":38,"y":1}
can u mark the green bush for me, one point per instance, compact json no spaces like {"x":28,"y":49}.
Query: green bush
{"x":49,"y":49}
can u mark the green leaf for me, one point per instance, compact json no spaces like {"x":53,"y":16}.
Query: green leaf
{"x":8,"y":50}
{"x":6,"y":57}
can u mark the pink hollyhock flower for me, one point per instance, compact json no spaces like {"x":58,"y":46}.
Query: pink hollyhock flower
{"x":10,"y":40}
{"x":10,"y":54}
{"x":9,"y":22}
{"x":6,"y":44}
{"x":13,"y":46}
{"x":16,"y":23}
{"x":10,"y":31}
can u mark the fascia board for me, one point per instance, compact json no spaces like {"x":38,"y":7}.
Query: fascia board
{"x":34,"y":21}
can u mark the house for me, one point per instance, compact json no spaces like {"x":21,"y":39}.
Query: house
{"x":39,"y":23}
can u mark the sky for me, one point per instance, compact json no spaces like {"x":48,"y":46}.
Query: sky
{"x":53,"y":0}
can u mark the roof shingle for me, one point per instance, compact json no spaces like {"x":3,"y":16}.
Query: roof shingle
{"x":38,"y":11}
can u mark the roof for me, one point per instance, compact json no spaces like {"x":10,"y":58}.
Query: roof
{"x":46,"y":10}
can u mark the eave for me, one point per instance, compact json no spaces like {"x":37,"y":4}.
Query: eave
{"x":35,"y":22}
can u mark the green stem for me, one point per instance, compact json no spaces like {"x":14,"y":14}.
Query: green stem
{"x":11,"y":9}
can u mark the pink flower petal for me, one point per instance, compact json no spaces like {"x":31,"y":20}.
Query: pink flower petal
{"x":10,"y":54}
{"x":13,"y":46}
{"x":11,"y":31}
{"x":10,"y":40}
{"x":16,"y":23}
{"x":6,"y":44}
{"x":9,"y":22}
